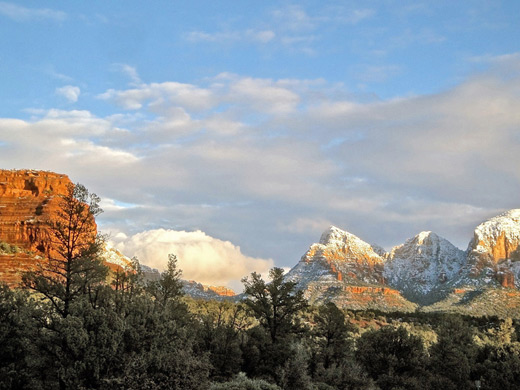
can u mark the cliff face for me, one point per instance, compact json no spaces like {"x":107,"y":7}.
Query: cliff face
{"x":496,"y":239}
{"x":27,"y":198}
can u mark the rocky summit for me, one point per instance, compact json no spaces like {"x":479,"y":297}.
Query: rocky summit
{"x":426,"y":272}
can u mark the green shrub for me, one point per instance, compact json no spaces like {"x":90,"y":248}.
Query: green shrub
{"x":242,"y":382}
{"x":8,"y":248}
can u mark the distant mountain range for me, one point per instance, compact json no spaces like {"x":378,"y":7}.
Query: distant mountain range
{"x":427,"y":272}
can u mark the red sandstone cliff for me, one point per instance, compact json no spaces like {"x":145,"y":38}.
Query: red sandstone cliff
{"x":28,"y":199}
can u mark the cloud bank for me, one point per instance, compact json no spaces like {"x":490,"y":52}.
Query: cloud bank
{"x":203,"y":258}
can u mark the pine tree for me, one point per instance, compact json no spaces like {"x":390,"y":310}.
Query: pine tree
{"x":73,"y":267}
{"x":274,"y":304}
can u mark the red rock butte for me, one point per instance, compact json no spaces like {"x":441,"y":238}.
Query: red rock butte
{"x":28,"y":198}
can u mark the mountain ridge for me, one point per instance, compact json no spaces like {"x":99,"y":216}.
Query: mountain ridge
{"x":425,"y":270}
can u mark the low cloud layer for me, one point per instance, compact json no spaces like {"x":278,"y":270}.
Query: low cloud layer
{"x":205,"y":259}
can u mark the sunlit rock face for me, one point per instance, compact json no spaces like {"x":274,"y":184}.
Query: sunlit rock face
{"x":200,"y":291}
{"x":494,"y":252}
{"x":496,"y":239}
{"x":422,"y":267}
{"x":343,"y":257}
{"x":28,"y":199}
{"x":344,"y":269}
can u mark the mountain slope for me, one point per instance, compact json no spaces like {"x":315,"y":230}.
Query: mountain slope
{"x":421,"y":267}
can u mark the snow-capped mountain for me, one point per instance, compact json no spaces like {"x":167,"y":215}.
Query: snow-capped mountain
{"x":339,"y":256}
{"x":426,"y":269}
{"x":493,"y":255}
{"x":421,"y":267}
{"x":344,"y":269}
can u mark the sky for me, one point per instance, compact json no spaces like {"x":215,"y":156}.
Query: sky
{"x":233,"y":133}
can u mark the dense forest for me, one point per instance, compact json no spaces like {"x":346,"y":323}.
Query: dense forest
{"x":73,"y":324}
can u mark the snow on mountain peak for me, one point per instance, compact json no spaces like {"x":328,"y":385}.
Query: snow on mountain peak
{"x":335,"y":237}
{"x":506,"y":224}
{"x":494,"y":251}
{"x":339,"y":257}
{"x":422,"y":264}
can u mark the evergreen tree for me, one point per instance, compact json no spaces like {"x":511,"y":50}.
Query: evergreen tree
{"x":275,"y":304}
{"x":169,"y":286}
{"x":17,"y":332}
{"x":73,"y":267}
{"x":332,"y":336}
{"x":393,"y":358}
{"x":452,"y":358}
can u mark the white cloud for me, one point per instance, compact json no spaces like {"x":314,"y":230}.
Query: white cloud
{"x":108,"y":204}
{"x":218,"y":37}
{"x":69,"y":92}
{"x":264,"y":95}
{"x":294,"y":17}
{"x":315,"y":225}
{"x":129,"y":71}
{"x":262,"y":36}
{"x":162,"y":94}
{"x":254,"y":157}
{"x":358,"y":15}
{"x":200,"y":257}
{"x":224,"y":37}
{"x":24,"y":14}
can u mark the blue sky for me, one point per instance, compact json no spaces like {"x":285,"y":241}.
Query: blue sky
{"x":234,"y":132}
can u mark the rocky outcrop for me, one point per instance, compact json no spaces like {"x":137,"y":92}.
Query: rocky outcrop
{"x":199,"y":291}
{"x":222,"y":291}
{"x":496,"y":239}
{"x":375,"y":297}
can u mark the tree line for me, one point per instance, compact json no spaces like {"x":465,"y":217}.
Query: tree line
{"x":73,"y":324}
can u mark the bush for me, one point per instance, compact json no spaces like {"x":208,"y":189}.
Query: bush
{"x":8,"y":248}
{"x":242,"y":382}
